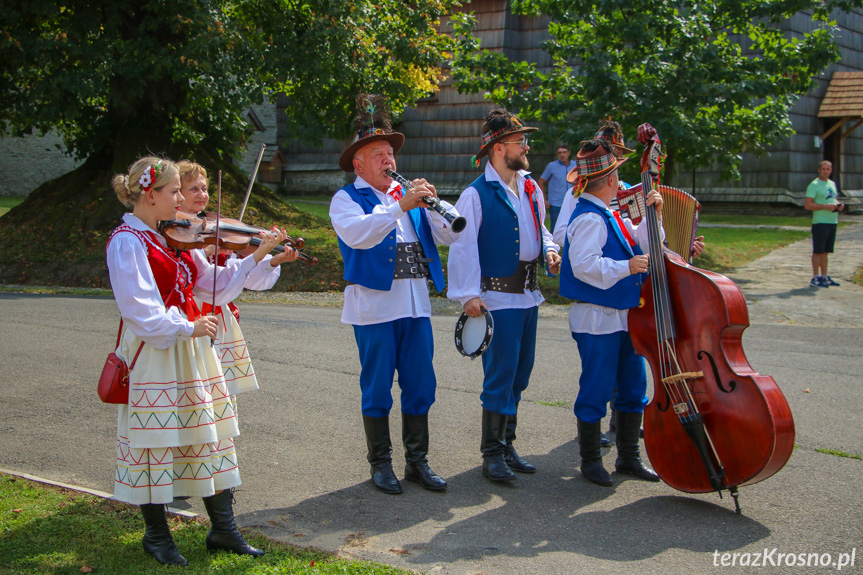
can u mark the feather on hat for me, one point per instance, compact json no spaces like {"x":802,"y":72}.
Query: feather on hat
{"x":371,"y":123}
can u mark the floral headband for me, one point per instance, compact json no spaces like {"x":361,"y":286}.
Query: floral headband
{"x":149,"y":176}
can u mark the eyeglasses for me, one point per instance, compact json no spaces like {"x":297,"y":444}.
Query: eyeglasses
{"x":522,"y":143}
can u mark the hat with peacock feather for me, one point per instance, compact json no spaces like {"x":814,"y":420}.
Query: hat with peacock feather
{"x":610,"y":131}
{"x":371,"y":123}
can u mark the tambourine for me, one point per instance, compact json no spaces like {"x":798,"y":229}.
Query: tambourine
{"x":473,"y":334}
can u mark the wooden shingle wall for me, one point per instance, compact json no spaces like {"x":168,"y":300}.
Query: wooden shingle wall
{"x":443,"y":132}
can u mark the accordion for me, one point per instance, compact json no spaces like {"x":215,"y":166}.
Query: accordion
{"x":679,"y":215}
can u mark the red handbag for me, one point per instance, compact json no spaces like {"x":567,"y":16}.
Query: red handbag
{"x":114,"y":381}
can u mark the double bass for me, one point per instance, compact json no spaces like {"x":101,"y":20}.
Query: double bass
{"x":713,"y":423}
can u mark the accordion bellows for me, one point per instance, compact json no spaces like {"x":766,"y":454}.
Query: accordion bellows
{"x":679,"y":215}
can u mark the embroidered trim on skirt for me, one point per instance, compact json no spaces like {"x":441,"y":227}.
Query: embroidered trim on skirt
{"x":234,"y":354}
{"x":175,"y":437}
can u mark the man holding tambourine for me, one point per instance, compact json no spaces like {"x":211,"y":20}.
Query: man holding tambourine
{"x":493,"y":271}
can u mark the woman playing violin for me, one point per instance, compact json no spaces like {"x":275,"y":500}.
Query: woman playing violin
{"x":175,"y":435}
{"x":232,"y":349}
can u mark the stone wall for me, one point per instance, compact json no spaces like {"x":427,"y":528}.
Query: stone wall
{"x":29,"y":161}
{"x":313,"y":181}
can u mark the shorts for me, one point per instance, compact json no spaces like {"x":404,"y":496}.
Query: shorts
{"x":823,"y":238}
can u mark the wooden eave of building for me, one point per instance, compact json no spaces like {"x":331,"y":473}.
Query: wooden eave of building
{"x":255,"y":121}
{"x":843,"y":100}
{"x":273,"y":154}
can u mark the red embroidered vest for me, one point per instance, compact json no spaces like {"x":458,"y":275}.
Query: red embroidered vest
{"x":175,"y":275}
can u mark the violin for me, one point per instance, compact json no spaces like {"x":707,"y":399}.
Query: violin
{"x":713,"y":423}
{"x":190,"y":231}
{"x":255,"y":240}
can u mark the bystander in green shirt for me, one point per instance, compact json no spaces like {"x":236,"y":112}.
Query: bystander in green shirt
{"x":823,"y":192}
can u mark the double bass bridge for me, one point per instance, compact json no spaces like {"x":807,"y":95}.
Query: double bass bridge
{"x":678,"y":377}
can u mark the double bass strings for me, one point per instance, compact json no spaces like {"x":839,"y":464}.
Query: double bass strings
{"x":674,"y":380}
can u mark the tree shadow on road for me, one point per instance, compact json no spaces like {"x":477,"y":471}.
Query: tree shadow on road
{"x":555,"y":510}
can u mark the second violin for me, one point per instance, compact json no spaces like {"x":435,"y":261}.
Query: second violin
{"x":194,"y":231}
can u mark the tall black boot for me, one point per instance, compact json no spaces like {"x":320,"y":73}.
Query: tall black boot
{"x":612,"y":428}
{"x":415,"y":437}
{"x":380,"y":454}
{"x":224,"y":535}
{"x":628,"y":460}
{"x":157,"y":536}
{"x":493,"y":442}
{"x":512,"y":458}
{"x":591,"y":454}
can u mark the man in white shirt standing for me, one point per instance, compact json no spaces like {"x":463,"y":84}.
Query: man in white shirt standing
{"x":605,"y":259}
{"x":388,"y":243}
{"x":494,"y":266}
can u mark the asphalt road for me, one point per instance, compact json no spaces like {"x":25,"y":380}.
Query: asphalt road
{"x":302,"y":450}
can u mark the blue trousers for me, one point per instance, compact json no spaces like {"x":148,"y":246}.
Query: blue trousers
{"x":609,"y":366}
{"x":405,"y":345}
{"x":508,"y":361}
{"x":554,"y":213}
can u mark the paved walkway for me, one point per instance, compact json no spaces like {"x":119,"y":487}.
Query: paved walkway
{"x":777,"y":285}
{"x":305,"y":480}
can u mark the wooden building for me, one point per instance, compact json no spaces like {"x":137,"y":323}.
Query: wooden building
{"x":443,"y":132}
{"x":822,"y":132}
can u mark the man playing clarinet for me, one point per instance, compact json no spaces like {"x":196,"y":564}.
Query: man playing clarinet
{"x":389,"y":246}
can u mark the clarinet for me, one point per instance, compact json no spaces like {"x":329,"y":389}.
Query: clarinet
{"x":458,"y":223}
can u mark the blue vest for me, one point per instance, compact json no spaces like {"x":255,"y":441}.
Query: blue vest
{"x":375,"y":267}
{"x":498,"y":241}
{"x":622,"y":295}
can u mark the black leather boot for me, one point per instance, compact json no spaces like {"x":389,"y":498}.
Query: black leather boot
{"x":628,"y":460}
{"x":591,"y":454}
{"x":380,"y":454}
{"x":157,"y":536}
{"x":415,"y":437}
{"x":604,"y":441}
{"x":224,"y":535}
{"x":492,"y":447}
{"x":512,"y":458}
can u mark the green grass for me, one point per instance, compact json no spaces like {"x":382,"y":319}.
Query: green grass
{"x":9,"y":202}
{"x":317,"y":205}
{"x":728,"y":248}
{"x":838,"y":453}
{"x":555,"y":403}
{"x":48,"y":530}
{"x":858,"y":276}
{"x":755,"y":220}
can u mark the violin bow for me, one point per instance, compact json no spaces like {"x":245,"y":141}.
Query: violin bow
{"x":252,"y":181}
{"x":216,"y":252}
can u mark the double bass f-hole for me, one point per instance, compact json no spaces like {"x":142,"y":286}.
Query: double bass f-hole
{"x":732,"y":385}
